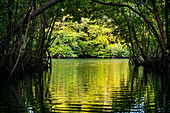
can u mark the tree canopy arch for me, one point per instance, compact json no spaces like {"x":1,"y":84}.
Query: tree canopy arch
{"x":27,"y":26}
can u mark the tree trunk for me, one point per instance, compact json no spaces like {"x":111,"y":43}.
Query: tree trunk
{"x":160,"y":23}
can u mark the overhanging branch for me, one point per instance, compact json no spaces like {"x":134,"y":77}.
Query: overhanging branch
{"x":119,"y":5}
{"x":41,"y":9}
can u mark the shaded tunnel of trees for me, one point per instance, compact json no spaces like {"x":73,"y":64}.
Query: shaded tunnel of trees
{"x":27,"y":29}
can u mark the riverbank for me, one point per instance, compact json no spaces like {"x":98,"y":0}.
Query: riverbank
{"x":111,"y":57}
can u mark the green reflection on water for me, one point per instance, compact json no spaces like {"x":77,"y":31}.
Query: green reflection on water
{"x":88,"y":85}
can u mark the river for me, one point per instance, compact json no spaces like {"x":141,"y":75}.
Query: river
{"x":88,"y":85}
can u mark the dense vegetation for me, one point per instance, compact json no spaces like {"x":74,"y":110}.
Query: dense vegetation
{"x":27,"y":31}
{"x":86,"y":39}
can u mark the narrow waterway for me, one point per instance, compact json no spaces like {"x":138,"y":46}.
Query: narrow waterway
{"x":88,"y":85}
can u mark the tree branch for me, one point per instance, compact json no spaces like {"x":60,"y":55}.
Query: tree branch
{"x":41,"y":9}
{"x":119,"y":5}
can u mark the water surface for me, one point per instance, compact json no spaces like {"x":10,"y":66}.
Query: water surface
{"x":89,"y":85}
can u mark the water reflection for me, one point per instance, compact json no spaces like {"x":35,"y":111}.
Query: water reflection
{"x":88,"y":85}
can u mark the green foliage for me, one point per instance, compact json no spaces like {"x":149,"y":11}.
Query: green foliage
{"x":89,"y":38}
